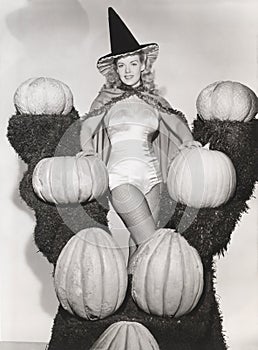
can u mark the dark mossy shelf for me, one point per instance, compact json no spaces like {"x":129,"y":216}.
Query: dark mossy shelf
{"x":38,"y":137}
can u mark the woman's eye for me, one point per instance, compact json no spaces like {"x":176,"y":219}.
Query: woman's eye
{"x":120,"y":66}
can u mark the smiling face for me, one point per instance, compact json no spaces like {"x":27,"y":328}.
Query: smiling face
{"x":129,"y":69}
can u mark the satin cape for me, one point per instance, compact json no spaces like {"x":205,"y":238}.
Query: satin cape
{"x":172,"y":133}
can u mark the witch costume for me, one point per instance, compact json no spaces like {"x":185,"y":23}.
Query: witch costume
{"x":135,"y":131}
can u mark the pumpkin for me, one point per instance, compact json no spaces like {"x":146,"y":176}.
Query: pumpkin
{"x":43,"y":96}
{"x":126,"y":335}
{"x":64,"y":180}
{"x":200,"y":177}
{"x":91,"y":277}
{"x":227,"y":100}
{"x":167,"y":275}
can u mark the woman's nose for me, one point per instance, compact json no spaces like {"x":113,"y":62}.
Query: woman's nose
{"x":127,"y":69}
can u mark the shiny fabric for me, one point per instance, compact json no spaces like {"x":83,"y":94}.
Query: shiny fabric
{"x":173,"y":130}
{"x":131,"y":125}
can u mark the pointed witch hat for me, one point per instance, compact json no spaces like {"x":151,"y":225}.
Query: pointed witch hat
{"x":123,"y":43}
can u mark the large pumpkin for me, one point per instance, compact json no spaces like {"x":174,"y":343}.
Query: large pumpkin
{"x":91,"y":276}
{"x":125,"y":335}
{"x":63,"y":180}
{"x":200,"y":177}
{"x":227,"y":100}
{"x":43,"y":96}
{"x":167,"y":275}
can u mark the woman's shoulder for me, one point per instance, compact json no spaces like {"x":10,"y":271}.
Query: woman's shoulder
{"x":105,"y":97}
{"x":164,"y":102}
{"x":161,"y":103}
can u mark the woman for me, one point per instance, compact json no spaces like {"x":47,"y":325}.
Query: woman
{"x":134,"y":129}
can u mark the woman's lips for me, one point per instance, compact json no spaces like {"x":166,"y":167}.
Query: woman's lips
{"x":128,"y":77}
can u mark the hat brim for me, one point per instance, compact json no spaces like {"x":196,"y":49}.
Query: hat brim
{"x":106,"y":63}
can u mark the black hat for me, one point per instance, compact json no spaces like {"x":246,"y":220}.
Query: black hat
{"x":123,"y":42}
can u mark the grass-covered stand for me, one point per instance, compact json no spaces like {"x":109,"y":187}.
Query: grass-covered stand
{"x":35,"y":137}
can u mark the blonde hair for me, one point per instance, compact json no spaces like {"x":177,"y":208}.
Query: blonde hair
{"x":147,"y":75}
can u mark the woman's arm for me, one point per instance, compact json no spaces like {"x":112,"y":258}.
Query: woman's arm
{"x":180,"y":130}
{"x":90,"y":124}
{"x":177,"y":124}
{"x":88,"y":129}
{"x":86,"y":140}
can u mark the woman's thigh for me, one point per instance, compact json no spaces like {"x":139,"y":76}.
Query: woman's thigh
{"x":153,"y":199}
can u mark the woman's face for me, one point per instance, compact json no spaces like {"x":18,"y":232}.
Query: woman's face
{"x":129,"y":69}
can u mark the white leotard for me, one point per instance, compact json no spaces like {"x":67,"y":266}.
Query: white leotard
{"x":130,"y":125}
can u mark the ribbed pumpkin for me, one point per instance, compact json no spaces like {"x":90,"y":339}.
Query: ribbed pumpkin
{"x":43,"y":96}
{"x":200,"y":177}
{"x":64,"y":180}
{"x":167,"y":275}
{"x":91,"y":276}
{"x":227,"y":100}
{"x":125,"y":335}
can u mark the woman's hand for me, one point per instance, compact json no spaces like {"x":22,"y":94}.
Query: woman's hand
{"x":189,"y":144}
{"x":86,"y":153}
{"x":186,"y":144}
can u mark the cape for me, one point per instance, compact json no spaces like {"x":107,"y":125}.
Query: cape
{"x":172,"y":133}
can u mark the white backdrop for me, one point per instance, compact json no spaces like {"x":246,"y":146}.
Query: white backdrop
{"x":201,"y":41}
